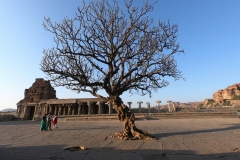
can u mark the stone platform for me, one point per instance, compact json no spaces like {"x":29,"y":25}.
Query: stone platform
{"x":177,"y":139}
{"x":150,"y":116}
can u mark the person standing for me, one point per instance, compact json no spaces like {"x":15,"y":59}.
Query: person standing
{"x":55,"y":119}
{"x":49,"y":121}
{"x":43,"y":125}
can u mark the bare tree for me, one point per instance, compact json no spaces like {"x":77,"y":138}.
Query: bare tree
{"x":108,"y":48}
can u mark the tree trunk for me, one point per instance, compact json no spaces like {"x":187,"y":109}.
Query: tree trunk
{"x":130,"y":131}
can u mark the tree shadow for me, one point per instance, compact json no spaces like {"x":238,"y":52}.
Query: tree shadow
{"x":57,"y":152}
{"x":162,"y":135}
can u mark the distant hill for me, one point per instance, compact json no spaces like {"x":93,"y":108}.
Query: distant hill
{"x":9,"y":110}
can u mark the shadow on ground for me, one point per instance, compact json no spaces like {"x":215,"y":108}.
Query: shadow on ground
{"x":162,"y":135}
{"x":57,"y":152}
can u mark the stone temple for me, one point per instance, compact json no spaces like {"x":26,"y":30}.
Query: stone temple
{"x":41,"y":99}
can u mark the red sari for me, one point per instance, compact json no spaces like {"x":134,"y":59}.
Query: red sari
{"x":55,"y":120}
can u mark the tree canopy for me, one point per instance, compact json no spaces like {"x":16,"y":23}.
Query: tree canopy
{"x":105,"y":47}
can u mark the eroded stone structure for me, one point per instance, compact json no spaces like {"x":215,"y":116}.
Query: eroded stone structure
{"x":41,"y":99}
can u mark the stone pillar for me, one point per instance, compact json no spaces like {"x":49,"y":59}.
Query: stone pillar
{"x":64,"y":109}
{"x":59,"y":109}
{"x":73,"y":109}
{"x":100,"y":107}
{"x":50,"y":109}
{"x":18,"y":110}
{"x":89,"y":107}
{"x":169,"y":105}
{"x":55,"y":110}
{"x":139,"y":106}
{"x":110,"y":107}
{"x":38,"y":109}
{"x":129,"y":105}
{"x":173,"y":107}
{"x":148,"y":106}
{"x":158,"y":102}
{"x":79,"y":107}
{"x":47,"y":109}
{"x":69,"y":109}
{"x":44,"y":109}
{"x":24,"y":112}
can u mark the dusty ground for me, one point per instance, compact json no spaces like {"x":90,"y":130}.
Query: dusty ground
{"x":211,"y":138}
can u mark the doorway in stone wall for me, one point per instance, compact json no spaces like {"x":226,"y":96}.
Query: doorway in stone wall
{"x":30,"y":112}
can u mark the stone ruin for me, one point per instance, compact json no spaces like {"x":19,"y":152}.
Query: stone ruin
{"x":40,"y":89}
{"x":41,"y":99}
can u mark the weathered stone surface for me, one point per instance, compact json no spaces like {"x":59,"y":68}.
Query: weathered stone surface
{"x":40,"y":89}
{"x":227,"y":94}
{"x":41,"y":99}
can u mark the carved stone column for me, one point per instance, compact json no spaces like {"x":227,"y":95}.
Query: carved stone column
{"x":129,"y":105}
{"x":35,"y":111}
{"x":110,"y":107}
{"x":169,"y":105}
{"x":24,"y":112}
{"x":55,"y":109}
{"x":173,"y":106}
{"x":69,"y":109}
{"x":100,"y":107}
{"x":50,"y":109}
{"x":73,"y":109}
{"x":47,"y":109}
{"x":39,"y":109}
{"x":18,"y":110}
{"x":44,"y":109}
{"x":139,"y":106}
{"x":89,"y":107}
{"x":63,"y":109}
{"x":148,"y":106}
{"x":79,"y":107}
{"x":158,"y":102}
{"x":59,"y":109}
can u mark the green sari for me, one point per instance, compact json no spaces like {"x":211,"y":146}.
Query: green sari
{"x":43,"y":125}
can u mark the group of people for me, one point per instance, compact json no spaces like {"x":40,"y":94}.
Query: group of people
{"x":47,"y":121}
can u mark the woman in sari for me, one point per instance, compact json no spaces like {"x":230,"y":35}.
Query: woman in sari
{"x":43,"y":125}
{"x":55,"y":118}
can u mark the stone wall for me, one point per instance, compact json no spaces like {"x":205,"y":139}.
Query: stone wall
{"x":7,"y":116}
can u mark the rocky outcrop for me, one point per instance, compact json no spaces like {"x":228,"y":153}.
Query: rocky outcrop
{"x":228,"y":93}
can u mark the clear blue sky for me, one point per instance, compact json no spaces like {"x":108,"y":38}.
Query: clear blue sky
{"x":209,"y":32}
